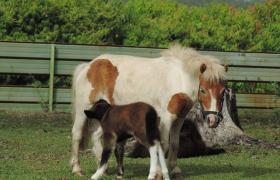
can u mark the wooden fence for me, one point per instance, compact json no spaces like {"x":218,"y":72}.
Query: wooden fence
{"x":57,"y":59}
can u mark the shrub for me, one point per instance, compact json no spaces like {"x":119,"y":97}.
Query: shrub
{"x":155,"y":23}
{"x":65,"y":21}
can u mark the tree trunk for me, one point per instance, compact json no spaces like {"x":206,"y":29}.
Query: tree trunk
{"x":196,"y":137}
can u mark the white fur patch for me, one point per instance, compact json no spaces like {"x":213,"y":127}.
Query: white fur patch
{"x":213,"y":104}
{"x":153,"y":162}
{"x":100,"y":171}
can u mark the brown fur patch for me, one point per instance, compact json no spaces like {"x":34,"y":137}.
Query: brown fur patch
{"x":216,"y":88}
{"x":102,"y":75}
{"x":180,"y":104}
{"x":202,"y":68}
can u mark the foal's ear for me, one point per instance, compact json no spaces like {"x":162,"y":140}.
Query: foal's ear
{"x":202,"y":68}
{"x":89,"y":113}
{"x":226,"y":67}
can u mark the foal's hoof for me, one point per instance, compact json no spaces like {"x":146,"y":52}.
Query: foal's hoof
{"x":78,"y":173}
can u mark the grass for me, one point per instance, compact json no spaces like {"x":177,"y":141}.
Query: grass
{"x":37,"y":146}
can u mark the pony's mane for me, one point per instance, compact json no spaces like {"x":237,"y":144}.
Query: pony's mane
{"x":192,"y":61}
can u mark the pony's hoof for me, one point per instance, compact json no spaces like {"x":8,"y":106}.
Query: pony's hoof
{"x":177,"y":176}
{"x":119,"y":177}
{"x":176,"y":173}
{"x":96,"y":176}
{"x":152,"y":176}
{"x":166,"y":177}
{"x":159,"y":177}
{"x":78,"y":173}
{"x":93,"y":178}
{"x":176,"y":170}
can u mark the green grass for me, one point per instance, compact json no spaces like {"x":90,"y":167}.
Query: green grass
{"x":37,"y":146}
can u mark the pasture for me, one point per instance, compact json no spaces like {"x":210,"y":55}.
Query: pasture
{"x":37,"y":146}
{"x":41,"y":43}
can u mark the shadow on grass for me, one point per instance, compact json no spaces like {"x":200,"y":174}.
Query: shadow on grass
{"x":247,"y":172}
{"x":140,"y":170}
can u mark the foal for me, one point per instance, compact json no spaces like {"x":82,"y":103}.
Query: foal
{"x":121,"y":122}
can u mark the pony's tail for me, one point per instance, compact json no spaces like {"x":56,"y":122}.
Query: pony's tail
{"x":85,"y":130}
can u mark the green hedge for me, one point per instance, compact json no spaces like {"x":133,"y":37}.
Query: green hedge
{"x":65,"y":21}
{"x":154,"y":23}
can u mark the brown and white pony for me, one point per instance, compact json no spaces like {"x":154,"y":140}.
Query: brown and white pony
{"x":170,"y":83}
{"x":122,"y":122}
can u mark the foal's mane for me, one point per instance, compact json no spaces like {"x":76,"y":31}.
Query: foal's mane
{"x":192,"y":61}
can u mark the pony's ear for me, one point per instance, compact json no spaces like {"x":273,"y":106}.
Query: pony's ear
{"x":89,"y":113}
{"x":226,"y":67}
{"x":202,"y":68}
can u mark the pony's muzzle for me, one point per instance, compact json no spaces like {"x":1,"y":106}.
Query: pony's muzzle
{"x":212,"y":120}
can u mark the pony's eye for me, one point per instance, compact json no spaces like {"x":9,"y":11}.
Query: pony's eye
{"x":202,"y":91}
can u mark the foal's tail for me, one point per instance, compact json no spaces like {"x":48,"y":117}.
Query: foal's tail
{"x":152,"y":128}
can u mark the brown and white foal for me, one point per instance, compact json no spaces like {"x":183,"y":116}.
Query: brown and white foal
{"x":121,"y":122}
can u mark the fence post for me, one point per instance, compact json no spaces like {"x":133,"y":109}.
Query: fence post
{"x":51,"y":80}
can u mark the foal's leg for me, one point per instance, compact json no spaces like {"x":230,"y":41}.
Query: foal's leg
{"x":165,"y":126}
{"x":162,"y":162}
{"x":77,"y":133}
{"x":119,"y":153}
{"x":153,"y":161}
{"x":109,"y":142}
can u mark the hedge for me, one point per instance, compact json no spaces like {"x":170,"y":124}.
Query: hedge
{"x":153,"y":23}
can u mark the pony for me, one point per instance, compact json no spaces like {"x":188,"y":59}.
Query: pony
{"x":122,"y":122}
{"x":170,"y":83}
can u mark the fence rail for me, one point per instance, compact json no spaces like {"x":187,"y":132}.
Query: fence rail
{"x":57,"y":59}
